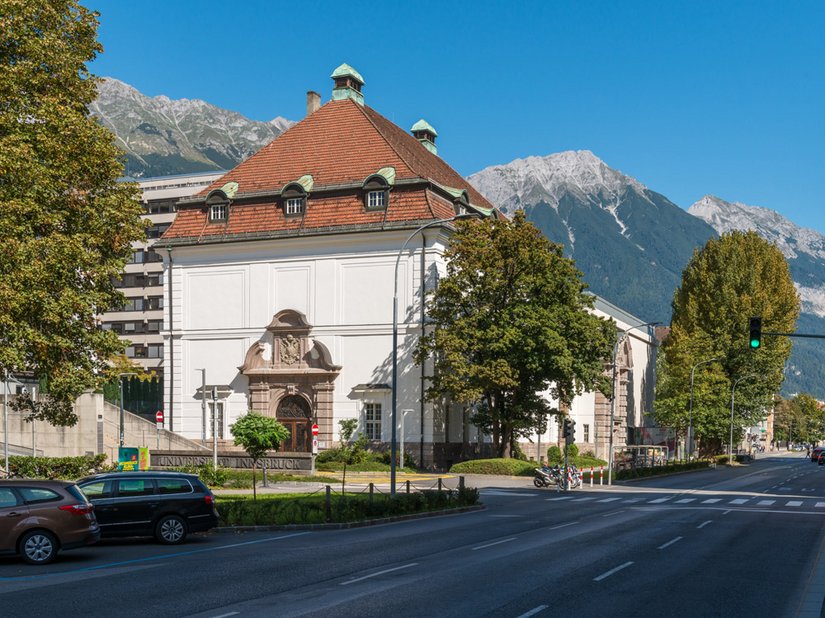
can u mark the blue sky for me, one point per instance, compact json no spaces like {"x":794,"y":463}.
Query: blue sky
{"x":690,"y":98}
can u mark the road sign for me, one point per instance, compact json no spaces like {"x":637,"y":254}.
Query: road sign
{"x":159,"y":416}
{"x":314,"y":446}
{"x":315,"y":429}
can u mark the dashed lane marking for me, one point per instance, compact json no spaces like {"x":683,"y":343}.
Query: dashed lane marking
{"x":669,"y":543}
{"x":711,"y":500}
{"x":533,"y":611}
{"x":560,"y":498}
{"x":685,"y":500}
{"x":660,"y":500}
{"x":794,"y":503}
{"x":612,"y":571}
{"x":767,"y":502}
{"x":512,"y":538}
{"x":739,"y":501}
{"x":609,"y":499}
{"x":358,"y":579}
{"x":704,"y":523}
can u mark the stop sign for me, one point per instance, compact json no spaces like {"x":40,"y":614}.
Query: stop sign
{"x":159,"y":416}
{"x":315,"y":429}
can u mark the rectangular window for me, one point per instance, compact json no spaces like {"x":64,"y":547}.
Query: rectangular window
{"x":218,"y":212}
{"x":173,"y":486}
{"x":376,"y":199}
{"x":135,"y":487}
{"x":216,"y":420}
{"x":294,"y":206}
{"x":155,"y":350}
{"x":586,"y":433}
{"x":372,"y":421}
{"x":153,"y":326}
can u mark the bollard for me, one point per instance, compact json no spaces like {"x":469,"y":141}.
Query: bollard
{"x":328,"y":504}
{"x":592,"y":469}
{"x":601,"y":475}
{"x":439,"y":484}
{"x":460,"y":483}
{"x":408,"y":487}
{"x":371,"y":490}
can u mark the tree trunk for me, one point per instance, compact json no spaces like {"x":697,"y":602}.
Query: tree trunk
{"x":254,"y":491}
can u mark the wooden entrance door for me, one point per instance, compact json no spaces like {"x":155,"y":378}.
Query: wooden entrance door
{"x":295,"y":414}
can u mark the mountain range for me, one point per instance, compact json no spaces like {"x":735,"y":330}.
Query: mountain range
{"x":630,"y":242}
{"x":162,"y":136}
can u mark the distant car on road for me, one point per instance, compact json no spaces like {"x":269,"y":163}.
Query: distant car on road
{"x":40,"y":518}
{"x":817,"y":450}
{"x":166,"y":505}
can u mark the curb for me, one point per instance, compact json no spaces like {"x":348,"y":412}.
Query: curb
{"x":351,"y":524}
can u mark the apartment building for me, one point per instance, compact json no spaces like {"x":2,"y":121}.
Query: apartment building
{"x":140,"y":319}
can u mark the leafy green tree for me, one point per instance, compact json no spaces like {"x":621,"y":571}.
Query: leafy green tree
{"x":801,"y":419}
{"x":66,"y":224}
{"x":512,"y":321}
{"x":349,"y":451}
{"x":731,"y":279}
{"x":257,"y":434}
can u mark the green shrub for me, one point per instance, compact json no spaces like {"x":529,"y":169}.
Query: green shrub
{"x":68,"y":468}
{"x":280,"y":509}
{"x":657,"y":470}
{"x":505,"y":467}
{"x":572,"y":451}
{"x":554,"y":455}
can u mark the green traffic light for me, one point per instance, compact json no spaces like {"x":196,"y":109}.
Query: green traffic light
{"x":755,"y":343}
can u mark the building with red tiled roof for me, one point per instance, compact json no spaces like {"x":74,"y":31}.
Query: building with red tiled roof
{"x":280,"y":279}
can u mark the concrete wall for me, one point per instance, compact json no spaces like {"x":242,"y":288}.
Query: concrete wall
{"x":97,"y":431}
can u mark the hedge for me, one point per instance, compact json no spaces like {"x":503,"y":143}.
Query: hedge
{"x":68,"y":468}
{"x":657,"y":470}
{"x":501,"y":466}
{"x":280,"y":509}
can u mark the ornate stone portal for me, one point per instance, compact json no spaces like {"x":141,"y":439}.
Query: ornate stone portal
{"x":291,"y":378}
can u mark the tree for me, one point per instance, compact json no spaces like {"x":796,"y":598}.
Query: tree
{"x":349,"y":451}
{"x":257,"y":434}
{"x":66,"y":223}
{"x":510,"y":322}
{"x":732,"y":278}
{"x":801,"y":419}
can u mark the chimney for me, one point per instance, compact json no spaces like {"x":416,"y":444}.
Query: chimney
{"x":313,"y":102}
{"x":424,"y":133}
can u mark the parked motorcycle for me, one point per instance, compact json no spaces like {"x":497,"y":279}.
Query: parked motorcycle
{"x":548,"y":477}
{"x":575,"y":477}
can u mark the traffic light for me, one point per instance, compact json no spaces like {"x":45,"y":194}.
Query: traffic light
{"x":755,"y":333}
{"x":569,"y":430}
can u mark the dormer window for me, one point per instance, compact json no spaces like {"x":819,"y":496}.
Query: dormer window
{"x":376,"y":193}
{"x":218,"y":207}
{"x":460,"y":203}
{"x":295,"y":200}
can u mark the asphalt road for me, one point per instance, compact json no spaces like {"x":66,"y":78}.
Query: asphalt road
{"x":727,"y":542}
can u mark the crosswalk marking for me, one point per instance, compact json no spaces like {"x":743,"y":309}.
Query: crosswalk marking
{"x":584,"y":499}
{"x":609,"y":499}
{"x":794,"y":503}
{"x":711,"y":500}
{"x":660,"y":500}
{"x":739,"y":501}
{"x":685,"y":500}
{"x":819,"y":505}
{"x":766,"y":502}
{"x":632,"y":500}
{"x":561,"y":498}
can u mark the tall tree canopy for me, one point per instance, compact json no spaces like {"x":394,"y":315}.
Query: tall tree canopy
{"x":66,"y":224}
{"x":799,"y":419}
{"x":511,"y":321}
{"x":731,"y":279}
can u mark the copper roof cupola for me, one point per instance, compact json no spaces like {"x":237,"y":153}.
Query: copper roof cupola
{"x":424,"y":133}
{"x":348,"y":84}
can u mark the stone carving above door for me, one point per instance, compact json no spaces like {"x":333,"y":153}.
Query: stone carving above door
{"x":292,"y":349}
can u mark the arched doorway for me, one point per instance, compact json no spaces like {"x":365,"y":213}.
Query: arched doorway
{"x":295,"y":414}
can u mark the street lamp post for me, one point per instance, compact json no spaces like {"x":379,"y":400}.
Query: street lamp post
{"x":619,"y":341}
{"x":732,"y":393}
{"x":690,"y":404}
{"x":203,"y":405}
{"x":394,"y":414}
{"x":6,"y":421}
{"x":120,"y":377}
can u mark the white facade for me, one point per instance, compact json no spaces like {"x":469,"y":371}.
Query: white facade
{"x":223,"y":296}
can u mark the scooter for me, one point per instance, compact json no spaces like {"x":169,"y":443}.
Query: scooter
{"x":548,"y":477}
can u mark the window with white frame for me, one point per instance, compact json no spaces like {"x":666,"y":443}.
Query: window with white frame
{"x":376,"y":199}
{"x":218,"y":212}
{"x":217,"y":427}
{"x":586,"y":432}
{"x":372,"y":420}
{"x":294,"y":206}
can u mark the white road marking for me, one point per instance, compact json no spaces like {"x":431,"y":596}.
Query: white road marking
{"x":506,"y":515}
{"x":770,"y":502}
{"x":612,"y":571}
{"x":669,"y":543}
{"x":711,"y":500}
{"x":512,"y":538}
{"x":498,"y":492}
{"x":633,"y":500}
{"x":660,"y":500}
{"x":685,"y":500}
{"x":358,"y":579}
{"x":583,"y":499}
{"x":609,"y":499}
{"x":739,"y":501}
{"x":794,"y":503}
{"x":819,"y":505}
{"x":611,"y":513}
{"x":533,"y":611}
{"x":560,"y":498}
{"x":704,"y":523}
{"x":572,"y":523}
{"x":226,"y":615}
